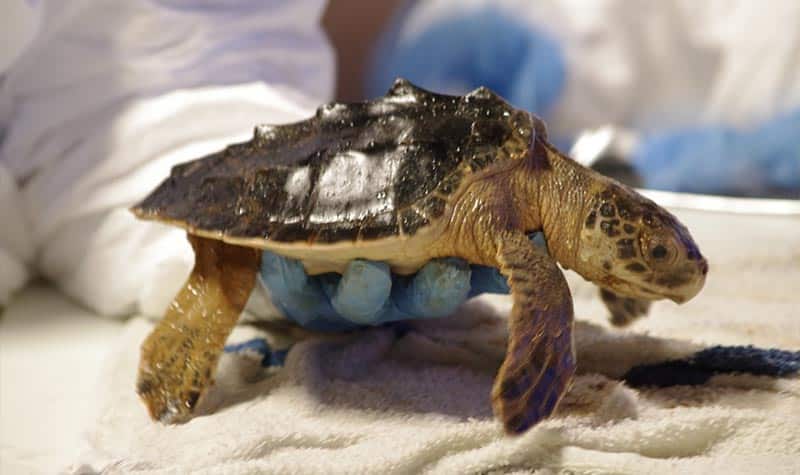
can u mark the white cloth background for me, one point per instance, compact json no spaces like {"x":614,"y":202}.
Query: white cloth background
{"x":100,"y":98}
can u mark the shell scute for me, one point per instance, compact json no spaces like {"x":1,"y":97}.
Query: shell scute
{"x":380,"y":226}
{"x":352,"y":171}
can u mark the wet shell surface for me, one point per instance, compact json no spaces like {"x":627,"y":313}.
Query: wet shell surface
{"x":351,"y":173}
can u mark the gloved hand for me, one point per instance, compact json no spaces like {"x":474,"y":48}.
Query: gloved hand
{"x":368,"y":294}
{"x":475,"y":47}
{"x":763,"y":160}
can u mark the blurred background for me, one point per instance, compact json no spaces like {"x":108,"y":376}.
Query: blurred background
{"x":669,"y":96}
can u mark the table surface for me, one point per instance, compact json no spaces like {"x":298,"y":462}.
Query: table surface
{"x":51,"y":351}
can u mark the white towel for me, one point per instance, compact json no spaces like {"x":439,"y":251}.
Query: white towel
{"x":373,"y":402}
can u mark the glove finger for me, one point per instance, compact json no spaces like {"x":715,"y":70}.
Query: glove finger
{"x":299,"y":297}
{"x":435,"y":291}
{"x":361,"y":295}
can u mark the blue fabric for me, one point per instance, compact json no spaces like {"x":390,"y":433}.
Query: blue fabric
{"x":478,"y":47}
{"x":760,"y":161}
{"x":260,"y":347}
{"x":700,"y":367}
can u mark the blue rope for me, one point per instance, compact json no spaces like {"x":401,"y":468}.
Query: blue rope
{"x":260,"y":346}
{"x":700,"y":367}
{"x":691,"y":371}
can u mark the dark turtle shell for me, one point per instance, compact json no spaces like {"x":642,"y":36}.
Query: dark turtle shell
{"x":353,"y":171}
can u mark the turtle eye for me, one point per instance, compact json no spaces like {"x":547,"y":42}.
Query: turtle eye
{"x":659,"y":252}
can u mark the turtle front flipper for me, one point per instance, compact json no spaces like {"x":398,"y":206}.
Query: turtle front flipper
{"x":180,"y":356}
{"x":540,"y":360}
{"x":623,"y":310}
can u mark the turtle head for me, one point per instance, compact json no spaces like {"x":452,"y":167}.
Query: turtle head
{"x":636,"y":248}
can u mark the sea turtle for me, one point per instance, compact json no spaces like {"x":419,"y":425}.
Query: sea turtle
{"x":403,"y":179}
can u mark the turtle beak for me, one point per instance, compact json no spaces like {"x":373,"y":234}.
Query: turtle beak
{"x":696,"y":284}
{"x":678,"y":299}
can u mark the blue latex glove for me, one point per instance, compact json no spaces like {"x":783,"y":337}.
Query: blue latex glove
{"x":368,"y":294}
{"x":760,"y":161}
{"x":471,"y":48}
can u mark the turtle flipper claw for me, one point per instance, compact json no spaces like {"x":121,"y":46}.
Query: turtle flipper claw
{"x":170,"y":393}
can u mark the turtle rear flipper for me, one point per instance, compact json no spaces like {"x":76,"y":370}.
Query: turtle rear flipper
{"x":540,"y":361}
{"x":180,"y":356}
{"x":623,"y":310}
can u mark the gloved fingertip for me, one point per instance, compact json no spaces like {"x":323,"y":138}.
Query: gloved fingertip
{"x":299,"y":297}
{"x":282,"y":274}
{"x":363,"y":291}
{"x":436,"y":290}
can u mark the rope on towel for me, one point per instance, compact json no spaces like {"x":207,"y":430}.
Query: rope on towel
{"x":700,"y":367}
{"x":693,"y":370}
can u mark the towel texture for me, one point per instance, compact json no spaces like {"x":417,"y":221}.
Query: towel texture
{"x":383,"y":401}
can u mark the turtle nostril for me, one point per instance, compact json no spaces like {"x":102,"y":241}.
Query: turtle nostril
{"x":704,"y":267}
